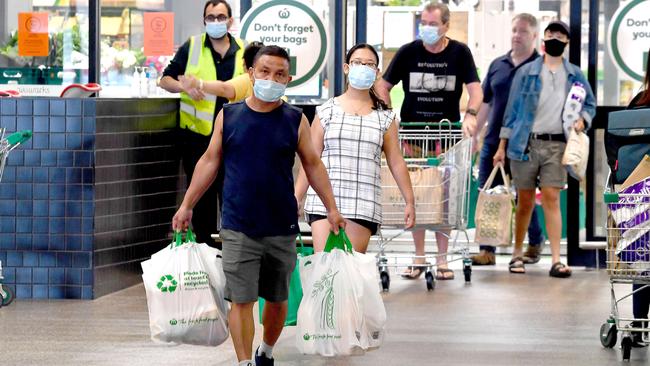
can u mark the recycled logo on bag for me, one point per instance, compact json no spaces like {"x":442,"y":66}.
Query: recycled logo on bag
{"x":167,"y":283}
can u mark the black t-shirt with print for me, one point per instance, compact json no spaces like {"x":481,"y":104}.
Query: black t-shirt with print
{"x":432,"y":82}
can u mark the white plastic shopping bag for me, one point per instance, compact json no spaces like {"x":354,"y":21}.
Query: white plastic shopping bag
{"x":330,"y":319}
{"x":185,"y":295}
{"x":374,"y":312}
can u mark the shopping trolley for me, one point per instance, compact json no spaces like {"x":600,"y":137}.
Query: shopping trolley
{"x":440,"y":166}
{"x":6,"y":145}
{"x":628,"y":262}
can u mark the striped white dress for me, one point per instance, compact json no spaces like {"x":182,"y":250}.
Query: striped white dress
{"x":352,"y":157}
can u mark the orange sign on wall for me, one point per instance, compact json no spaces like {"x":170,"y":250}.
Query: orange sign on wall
{"x":32,"y":34}
{"x":158,"y":34}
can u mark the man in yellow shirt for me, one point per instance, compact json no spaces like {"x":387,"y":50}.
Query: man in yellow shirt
{"x":235,"y":89}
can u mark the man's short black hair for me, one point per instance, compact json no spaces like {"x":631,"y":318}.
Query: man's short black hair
{"x":250,"y":51}
{"x":272,"y":51}
{"x":215,"y":3}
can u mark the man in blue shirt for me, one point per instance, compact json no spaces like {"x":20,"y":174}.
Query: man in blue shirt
{"x":496,"y":88}
{"x":256,"y":141}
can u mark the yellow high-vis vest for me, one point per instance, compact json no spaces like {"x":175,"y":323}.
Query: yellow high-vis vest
{"x":198,"y":116}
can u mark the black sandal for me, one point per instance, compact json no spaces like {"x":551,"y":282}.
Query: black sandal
{"x":517,"y":263}
{"x":556,"y":270}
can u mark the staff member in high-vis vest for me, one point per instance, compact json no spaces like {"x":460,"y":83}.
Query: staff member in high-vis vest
{"x":213,"y":55}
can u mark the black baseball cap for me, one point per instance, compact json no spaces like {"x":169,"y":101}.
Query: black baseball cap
{"x":558,"y":26}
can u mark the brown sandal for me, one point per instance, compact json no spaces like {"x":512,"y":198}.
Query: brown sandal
{"x":517,"y":265}
{"x":413,"y":272}
{"x":441,"y":274}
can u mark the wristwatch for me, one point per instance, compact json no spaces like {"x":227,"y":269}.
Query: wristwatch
{"x":472,"y":111}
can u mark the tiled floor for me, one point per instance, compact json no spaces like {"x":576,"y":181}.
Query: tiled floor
{"x":498,"y":319}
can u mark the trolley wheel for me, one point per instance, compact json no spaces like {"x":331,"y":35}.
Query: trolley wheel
{"x":608,"y":335}
{"x":467,"y":271}
{"x":9,"y":296}
{"x":385,"y":281}
{"x":431,"y":284}
{"x":626,"y":346}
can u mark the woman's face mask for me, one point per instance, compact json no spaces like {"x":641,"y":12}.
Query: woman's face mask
{"x":361,"y":77}
{"x":216,"y":30}
{"x":268,"y":90}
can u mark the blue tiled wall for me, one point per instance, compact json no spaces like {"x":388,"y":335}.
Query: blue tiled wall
{"x":46,"y":199}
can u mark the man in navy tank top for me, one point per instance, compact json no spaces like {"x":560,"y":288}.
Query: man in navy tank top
{"x":256,"y":140}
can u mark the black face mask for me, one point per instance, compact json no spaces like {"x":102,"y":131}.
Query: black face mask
{"x":554,"y":47}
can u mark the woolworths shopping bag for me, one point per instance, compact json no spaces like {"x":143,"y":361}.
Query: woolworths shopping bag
{"x":330,"y":319}
{"x":185,"y":285}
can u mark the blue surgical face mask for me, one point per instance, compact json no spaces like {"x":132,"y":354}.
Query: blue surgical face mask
{"x":268,"y":90}
{"x":216,"y":30}
{"x":361,"y":77}
{"x":429,"y":34}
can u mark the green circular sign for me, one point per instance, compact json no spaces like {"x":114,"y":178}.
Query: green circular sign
{"x":629,"y":38}
{"x":294,"y":26}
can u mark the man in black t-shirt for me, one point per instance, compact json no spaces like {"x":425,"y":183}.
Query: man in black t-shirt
{"x":432,"y":71}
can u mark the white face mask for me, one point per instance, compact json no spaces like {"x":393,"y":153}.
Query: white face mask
{"x":268,"y":90}
{"x":430,"y":34}
{"x":361,"y":77}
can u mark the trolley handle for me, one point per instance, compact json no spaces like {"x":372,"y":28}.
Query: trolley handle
{"x":19,"y":137}
{"x":442,"y":124}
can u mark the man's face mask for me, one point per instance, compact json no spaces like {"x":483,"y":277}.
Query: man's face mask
{"x":216,"y":30}
{"x":268,"y":90}
{"x":554,"y":47}
{"x":430,"y":34}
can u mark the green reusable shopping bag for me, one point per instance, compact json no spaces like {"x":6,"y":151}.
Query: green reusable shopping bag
{"x":295,"y":288}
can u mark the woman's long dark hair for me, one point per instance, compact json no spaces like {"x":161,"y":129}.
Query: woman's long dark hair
{"x":377,"y":102}
{"x":645,"y":98}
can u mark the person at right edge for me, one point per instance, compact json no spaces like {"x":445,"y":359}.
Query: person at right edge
{"x":496,"y":88}
{"x":641,"y":296}
{"x":213,"y":55}
{"x":534,"y":137}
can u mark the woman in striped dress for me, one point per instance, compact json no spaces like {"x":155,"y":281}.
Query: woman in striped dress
{"x":350,"y":133}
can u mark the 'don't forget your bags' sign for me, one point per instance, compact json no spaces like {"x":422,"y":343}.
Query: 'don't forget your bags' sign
{"x":294,"y":26}
{"x":629,"y":38}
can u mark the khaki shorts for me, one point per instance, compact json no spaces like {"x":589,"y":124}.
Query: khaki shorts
{"x":545,"y":163}
{"x":257,"y":267}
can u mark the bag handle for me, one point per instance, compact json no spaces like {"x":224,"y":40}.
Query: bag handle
{"x":178,"y":238}
{"x":340,"y":241}
{"x":302,"y":244}
{"x":498,"y":167}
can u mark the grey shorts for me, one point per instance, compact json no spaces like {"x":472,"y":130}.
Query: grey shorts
{"x":545,"y":163}
{"x":257,"y":267}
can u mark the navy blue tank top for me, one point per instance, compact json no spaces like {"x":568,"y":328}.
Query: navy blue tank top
{"x":258,"y":155}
